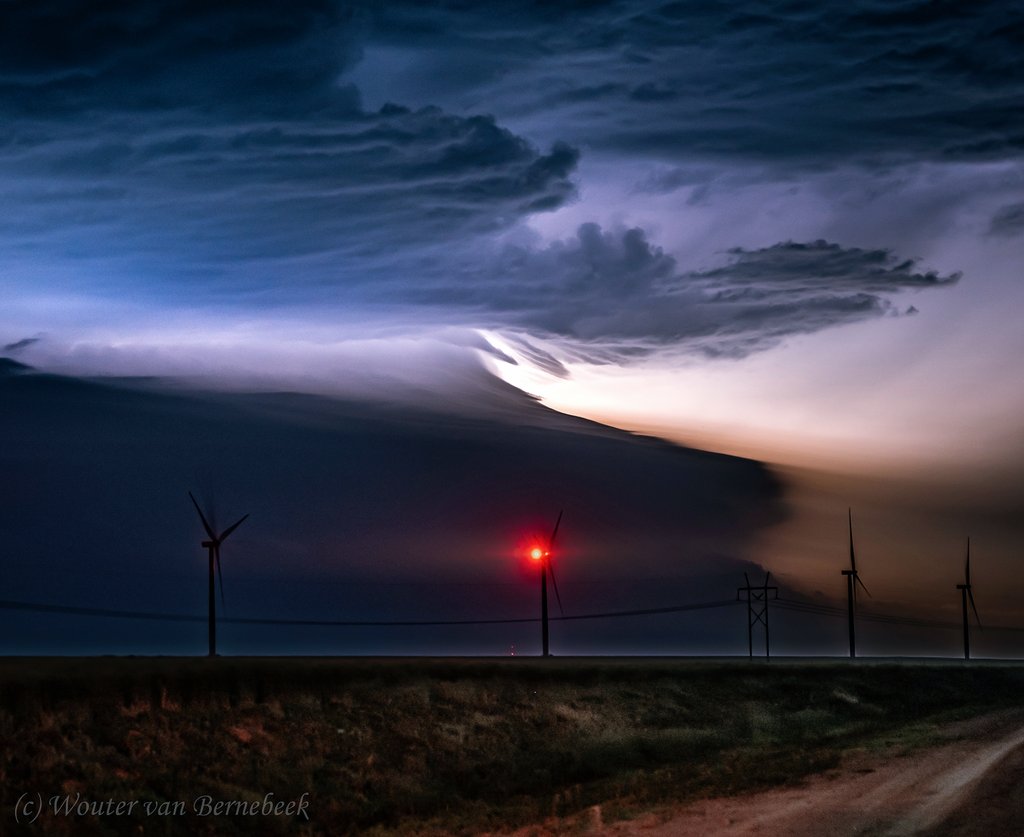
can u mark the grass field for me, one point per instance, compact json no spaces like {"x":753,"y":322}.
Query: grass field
{"x":445,"y":746}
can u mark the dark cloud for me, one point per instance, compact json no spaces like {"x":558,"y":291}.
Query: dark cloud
{"x":242,"y":58}
{"x":786,"y":82}
{"x":228,"y":148}
{"x":18,"y":345}
{"x":807,"y":268}
{"x":1008,"y":220}
{"x":12,"y":367}
{"x":184,"y":137}
{"x":425,"y":504}
{"x":618,"y":293}
{"x":293,"y":189}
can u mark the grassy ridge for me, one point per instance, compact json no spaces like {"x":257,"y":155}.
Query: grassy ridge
{"x":450,"y":746}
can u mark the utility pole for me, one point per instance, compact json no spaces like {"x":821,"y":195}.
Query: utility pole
{"x":757,"y":610}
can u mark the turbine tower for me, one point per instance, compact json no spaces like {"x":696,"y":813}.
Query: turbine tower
{"x":852,"y":580}
{"x":212,"y":546}
{"x":965,"y":594}
{"x":544,"y":557}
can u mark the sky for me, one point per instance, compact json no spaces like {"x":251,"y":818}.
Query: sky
{"x":784,"y":231}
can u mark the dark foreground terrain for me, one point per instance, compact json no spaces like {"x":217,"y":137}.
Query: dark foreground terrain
{"x":383,"y":746}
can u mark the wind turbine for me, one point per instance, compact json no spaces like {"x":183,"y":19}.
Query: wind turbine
{"x":544,"y":557}
{"x":965,"y":594}
{"x":213,"y":549}
{"x":852,"y":580}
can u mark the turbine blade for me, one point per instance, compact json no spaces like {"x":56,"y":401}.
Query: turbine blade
{"x":554,"y":583}
{"x":746,"y":578}
{"x":856,"y":578}
{"x":202,"y":517}
{"x":970,"y":596}
{"x":766,"y":577}
{"x":232,"y":528}
{"x":853,"y":557}
{"x":554,"y":534}
{"x":220,"y":575}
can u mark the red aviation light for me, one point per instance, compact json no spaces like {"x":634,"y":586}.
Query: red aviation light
{"x":536,"y":553}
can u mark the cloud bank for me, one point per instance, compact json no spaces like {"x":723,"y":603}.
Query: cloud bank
{"x":241,"y":159}
{"x":198,"y":143}
{"x":788,"y":83}
{"x":431,"y":509}
{"x":617,"y":291}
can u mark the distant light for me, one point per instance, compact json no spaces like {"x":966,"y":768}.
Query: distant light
{"x":536,"y":553}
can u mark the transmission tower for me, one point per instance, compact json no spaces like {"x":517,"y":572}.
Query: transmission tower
{"x":757,"y":610}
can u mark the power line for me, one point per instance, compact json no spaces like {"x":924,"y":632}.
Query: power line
{"x":95,"y":611}
{"x":350,"y":623}
{"x":790,"y":605}
{"x":813,"y":608}
{"x":864,"y":615}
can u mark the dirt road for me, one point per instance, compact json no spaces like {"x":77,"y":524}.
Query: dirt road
{"x":935,"y":792}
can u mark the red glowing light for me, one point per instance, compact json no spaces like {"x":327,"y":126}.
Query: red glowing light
{"x":536,"y":553}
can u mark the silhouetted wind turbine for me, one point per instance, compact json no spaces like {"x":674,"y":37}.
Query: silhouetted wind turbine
{"x":965,"y":594}
{"x":544,"y":556}
{"x":852,"y":580}
{"x":213,"y":549}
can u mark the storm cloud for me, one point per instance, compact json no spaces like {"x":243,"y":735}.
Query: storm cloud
{"x":183,"y":139}
{"x":413,"y":505}
{"x":18,"y":345}
{"x":617,"y":291}
{"x":794,"y":83}
{"x":361,"y":162}
{"x":392,"y":203}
